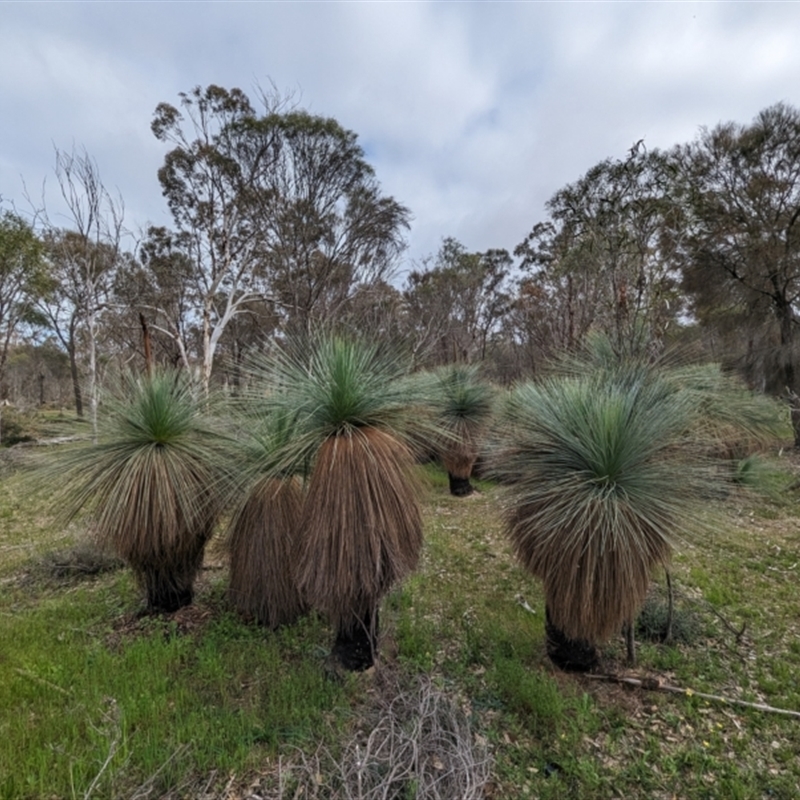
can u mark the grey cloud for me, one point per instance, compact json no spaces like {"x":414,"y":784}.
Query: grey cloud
{"x":473,"y":114}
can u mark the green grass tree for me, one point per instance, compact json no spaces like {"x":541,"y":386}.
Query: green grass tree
{"x":600,"y":485}
{"x":463,"y":405}
{"x":605,"y":470}
{"x":361,"y":523}
{"x":154,"y":486}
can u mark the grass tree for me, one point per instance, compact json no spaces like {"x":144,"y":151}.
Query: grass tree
{"x":607,"y":462}
{"x":263,"y":536}
{"x":600,"y":483}
{"x":729,"y":420}
{"x":154,"y":485}
{"x":463,"y":407}
{"x":361,"y":524}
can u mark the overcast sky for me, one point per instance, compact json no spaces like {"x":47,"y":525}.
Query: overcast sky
{"x":472,"y":114}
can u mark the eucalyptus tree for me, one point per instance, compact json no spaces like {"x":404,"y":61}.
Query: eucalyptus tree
{"x":455,"y":304}
{"x":209,"y":188}
{"x":84,"y":256}
{"x":328,"y":229}
{"x":23,"y":279}
{"x":156,"y":289}
{"x":605,"y":257}
{"x":81,"y":276}
{"x":278,"y":207}
{"x":741,"y":194}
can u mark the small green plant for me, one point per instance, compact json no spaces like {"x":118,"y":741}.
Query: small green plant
{"x":16,"y":427}
{"x":655,"y":625}
{"x":85,"y":559}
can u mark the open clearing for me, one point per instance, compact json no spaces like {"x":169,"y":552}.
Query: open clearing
{"x":100,"y":702}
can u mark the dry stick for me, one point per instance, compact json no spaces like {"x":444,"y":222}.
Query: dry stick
{"x":32,"y":676}
{"x":653,"y":684}
{"x":670,"y":608}
{"x":738,"y":634}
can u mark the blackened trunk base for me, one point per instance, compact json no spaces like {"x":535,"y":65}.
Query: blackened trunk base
{"x":356,"y":644}
{"x":460,"y":487}
{"x":570,"y":655}
{"x":166,"y":592}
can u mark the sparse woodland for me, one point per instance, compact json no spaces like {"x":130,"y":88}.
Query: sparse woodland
{"x":274,"y":524}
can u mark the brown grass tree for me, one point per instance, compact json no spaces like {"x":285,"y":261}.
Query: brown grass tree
{"x":361,"y":524}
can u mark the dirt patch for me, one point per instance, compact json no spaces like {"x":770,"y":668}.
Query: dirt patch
{"x":189,"y":620}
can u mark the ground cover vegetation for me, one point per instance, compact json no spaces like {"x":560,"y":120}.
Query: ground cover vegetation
{"x":105,"y":702}
{"x":290,"y":455}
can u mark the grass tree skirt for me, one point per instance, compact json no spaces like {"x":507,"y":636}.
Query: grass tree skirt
{"x":570,"y":655}
{"x":459,"y":487}
{"x":357,"y":642}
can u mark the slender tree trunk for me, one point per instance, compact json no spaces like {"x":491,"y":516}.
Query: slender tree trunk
{"x":670,"y":608}
{"x":92,"y":326}
{"x":794,"y":412}
{"x":76,"y":380}
{"x":786,"y":367}
{"x":208,"y":351}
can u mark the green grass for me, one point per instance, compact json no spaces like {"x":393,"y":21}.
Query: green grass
{"x":201,"y":698}
{"x":220,"y":697}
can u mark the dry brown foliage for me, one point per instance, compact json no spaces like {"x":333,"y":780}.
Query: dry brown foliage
{"x":157,"y":514}
{"x":577,"y":577}
{"x":415,"y":743}
{"x":361,"y":524}
{"x":264,"y":549}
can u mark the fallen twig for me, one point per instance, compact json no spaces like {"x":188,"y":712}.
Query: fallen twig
{"x":655,"y":685}
{"x":737,"y":633}
{"x":524,"y":603}
{"x":32,"y":676}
